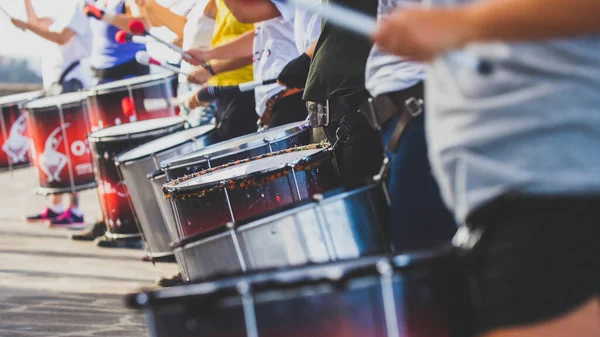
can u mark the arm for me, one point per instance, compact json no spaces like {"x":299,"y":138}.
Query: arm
{"x":200,"y":75}
{"x":158,"y":15}
{"x":211,"y":9}
{"x":121,"y":21}
{"x":252,"y":11}
{"x":239,"y":47}
{"x":423,"y":34}
{"x":42,"y":31}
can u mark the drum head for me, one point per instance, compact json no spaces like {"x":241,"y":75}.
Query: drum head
{"x":263,"y":165}
{"x":20,"y":98}
{"x":165,"y":143}
{"x":239,"y":143}
{"x":136,"y":129}
{"x":54,"y":101}
{"x":131,"y":82}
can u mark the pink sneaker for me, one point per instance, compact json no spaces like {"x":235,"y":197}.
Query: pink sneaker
{"x":47,"y":214}
{"x":67,"y":220}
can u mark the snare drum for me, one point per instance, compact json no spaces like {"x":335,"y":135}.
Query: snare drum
{"x":239,"y":190}
{"x":134,"y":166}
{"x":106,"y":144}
{"x":58,"y":127}
{"x":420,"y":294}
{"x":14,"y":141}
{"x":271,"y":140}
{"x":134,"y":99}
{"x":338,"y":225}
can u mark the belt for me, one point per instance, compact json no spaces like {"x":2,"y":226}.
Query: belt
{"x":334,"y":109}
{"x":407,"y":104}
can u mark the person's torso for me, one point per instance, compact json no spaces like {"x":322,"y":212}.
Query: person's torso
{"x":107,"y":52}
{"x":386,"y":73}
{"x":532,"y":126}
{"x":197,"y":33}
{"x":338,"y":65}
{"x":226,"y":29}
{"x":274,"y":48}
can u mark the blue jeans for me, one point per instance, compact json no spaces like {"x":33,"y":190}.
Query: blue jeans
{"x":419,"y":218}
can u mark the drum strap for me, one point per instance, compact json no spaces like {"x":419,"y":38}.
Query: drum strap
{"x":67,"y":71}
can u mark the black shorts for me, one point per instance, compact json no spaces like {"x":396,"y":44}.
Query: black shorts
{"x":538,"y":258}
{"x":236,"y":115}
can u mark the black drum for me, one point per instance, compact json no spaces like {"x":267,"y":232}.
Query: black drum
{"x":106,"y":144}
{"x":233,"y":192}
{"x":338,"y":225}
{"x":421,"y":294}
{"x":136,"y":164}
{"x":271,"y":140}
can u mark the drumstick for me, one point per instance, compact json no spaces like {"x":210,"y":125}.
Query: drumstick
{"x":364,"y":25}
{"x":142,"y":57}
{"x":122,"y":36}
{"x":210,"y":93}
{"x":5,"y":12}
{"x":137,"y":27}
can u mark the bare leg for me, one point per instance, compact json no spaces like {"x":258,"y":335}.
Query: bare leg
{"x":74,"y":200}
{"x":583,"y":321}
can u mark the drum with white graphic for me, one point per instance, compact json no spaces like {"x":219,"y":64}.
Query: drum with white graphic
{"x":58,"y":127}
{"x":106,"y":145}
{"x":14,"y":141}
{"x":134,"y":99}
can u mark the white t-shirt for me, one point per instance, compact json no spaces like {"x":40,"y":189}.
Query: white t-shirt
{"x":307,"y":28}
{"x":57,"y":58}
{"x":197,"y":33}
{"x":274,"y":48}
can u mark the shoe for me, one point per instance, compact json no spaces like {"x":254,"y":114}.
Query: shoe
{"x":92,"y":232}
{"x":105,"y":242}
{"x":67,"y":220}
{"x":47,"y":214}
{"x":167,"y":259}
{"x":175,"y":280}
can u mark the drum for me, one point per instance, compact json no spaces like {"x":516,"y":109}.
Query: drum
{"x":337,"y":225}
{"x":14,"y":141}
{"x":271,"y":140}
{"x":134,"y":165}
{"x":106,"y":144}
{"x":134,"y":99}
{"x":418,"y":294}
{"x":233,"y":192}
{"x":58,"y":127}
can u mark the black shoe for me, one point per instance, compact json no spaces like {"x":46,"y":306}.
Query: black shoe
{"x":175,"y":280}
{"x":92,"y":232}
{"x":165,"y":259}
{"x":118,"y":243}
{"x":47,"y":215}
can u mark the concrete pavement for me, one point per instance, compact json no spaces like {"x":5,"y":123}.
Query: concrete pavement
{"x":51,"y":286}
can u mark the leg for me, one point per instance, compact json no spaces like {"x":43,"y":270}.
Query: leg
{"x":288,"y":110}
{"x":236,"y":115}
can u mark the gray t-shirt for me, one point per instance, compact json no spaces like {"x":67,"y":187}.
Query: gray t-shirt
{"x":386,"y":73}
{"x":532,"y":127}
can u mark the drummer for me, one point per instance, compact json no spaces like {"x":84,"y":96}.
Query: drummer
{"x":516,"y":153}
{"x":110,"y":60}
{"x":69,"y":33}
{"x":396,"y":85}
{"x":272,"y":46}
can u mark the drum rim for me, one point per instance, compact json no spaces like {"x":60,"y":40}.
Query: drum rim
{"x":155,"y":174}
{"x":334,"y":273}
{"x":34,"y":95}
{"x":135,"y":135}
{"x":49,"y":190}
{"x":108,"y":88}
{"x":197,"y":136}
{"x":80,"y":101}
{"x":188,"y":159}
{"x":280,"y":213}
{"x":322,"y":152}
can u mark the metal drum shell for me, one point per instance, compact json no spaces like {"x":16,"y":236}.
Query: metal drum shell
{"x":424,"y":293}
{"x":271,"y":140}
{"x":134,"y":170}
{"x":11,"y":116}
{"x":337,"y":226}
{"x":112,"y":191}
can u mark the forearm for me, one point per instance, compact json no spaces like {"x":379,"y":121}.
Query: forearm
{"x":252,"y":11}
{"x":239,"y":47}
{"x":222,"y":66}
{"x":44,"y":33}
{"x":31,"y":16}
{"x":174,"y":22}
{"x":527,"y":20}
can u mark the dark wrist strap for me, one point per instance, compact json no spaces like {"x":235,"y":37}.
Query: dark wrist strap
{"x":208,"y":67}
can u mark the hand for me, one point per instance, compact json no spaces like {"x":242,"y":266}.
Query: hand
{"x":199,"y":75}
{"x":198,"y":56}
{"x":193,"y":102}
{"x":18,"y":23}
{"x":421,"y":35}
{"x":295,"y":73}
{"x":93,"y":11}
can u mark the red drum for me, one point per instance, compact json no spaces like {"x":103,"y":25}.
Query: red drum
{"x":106,"y":145}
{"x":14,"y":142}
{"x":58,"y":127}
{"x":233,"y":192}
{"x":134,"y":99}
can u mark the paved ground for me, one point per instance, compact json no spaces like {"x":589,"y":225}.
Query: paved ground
{"x":50,"y":286}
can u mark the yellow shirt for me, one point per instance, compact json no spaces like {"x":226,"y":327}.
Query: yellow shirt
{"x":226,"y":29}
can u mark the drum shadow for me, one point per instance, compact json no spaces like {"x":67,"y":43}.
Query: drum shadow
{"x":45,"y":274}
{"x":47,"y":253}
